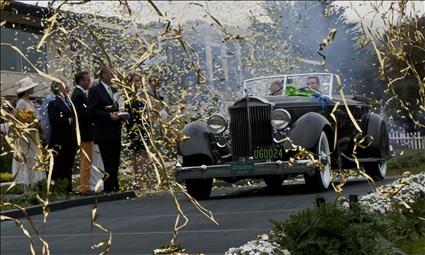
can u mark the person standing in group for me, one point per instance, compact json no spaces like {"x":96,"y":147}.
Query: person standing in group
{"x":80,"y":100}
{"x":43,"y":115}
{"x":135,"y":129}
{"x":154,"y":84}
{"x":27,"y":149}
{"x":63,"y":138}
{"x":103,"y":109}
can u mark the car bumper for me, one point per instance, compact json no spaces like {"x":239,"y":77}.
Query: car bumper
{"x":254,"y":169}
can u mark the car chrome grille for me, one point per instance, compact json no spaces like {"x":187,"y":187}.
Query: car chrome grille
{"x":250,"y":120}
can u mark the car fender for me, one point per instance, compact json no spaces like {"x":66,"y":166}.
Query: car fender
{"x":198,"y":142}
{"x":306,"y":130}
{"x":374,"y":125}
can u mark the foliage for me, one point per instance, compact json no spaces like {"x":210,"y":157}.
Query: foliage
{"x":409,"y":159}
{"x":399,"y":54}
{"x":291,"y":41}
{"x":5,"y":160}
{"x":27,"y":195}
{"x":272,"y":52}
{"x":331,"y":229}
{"x":401,"y":171}
{"x":261,"y":246}
{"x":412,"y":247}
{"x":18,"y":189}
{"x":5,"y":177}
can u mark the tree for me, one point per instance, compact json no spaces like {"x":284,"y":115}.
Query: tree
{"x":403,"y":68}
{"x":297,"y":29}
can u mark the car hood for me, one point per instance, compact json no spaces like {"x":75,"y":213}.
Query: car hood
{"x":292,"y":101}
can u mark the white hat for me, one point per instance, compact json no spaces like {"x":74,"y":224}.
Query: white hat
{"x":25,"y":84}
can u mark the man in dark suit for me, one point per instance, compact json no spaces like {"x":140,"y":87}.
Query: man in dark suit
{"x":103,"y":109}
{"x":80,"y":100}
{"x":62,"y":138}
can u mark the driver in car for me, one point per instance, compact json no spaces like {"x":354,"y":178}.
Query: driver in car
{"x":276,"y":88}
{"x":313,"y":83}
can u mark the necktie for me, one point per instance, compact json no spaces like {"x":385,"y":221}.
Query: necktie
{"x":66,"y":102}
{"x":110,"y":92}
{"x":111,"y":95}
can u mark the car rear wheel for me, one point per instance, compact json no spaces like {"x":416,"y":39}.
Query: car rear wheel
{"x":321,"y":179}
{"x":376,"y":170}
{"x":274,"y":183}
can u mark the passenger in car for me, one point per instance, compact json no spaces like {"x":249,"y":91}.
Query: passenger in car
{"x":276,"y":88}
{"x":313,"y":83}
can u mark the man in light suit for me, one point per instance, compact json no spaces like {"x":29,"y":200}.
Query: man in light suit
{"x":103,"y":110}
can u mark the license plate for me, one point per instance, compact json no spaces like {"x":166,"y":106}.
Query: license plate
{"x":268,"y":153}
{"x":239,"y":167}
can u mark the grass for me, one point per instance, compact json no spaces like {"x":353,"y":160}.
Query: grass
{"x":5,"y":177}
{"x":400,"y":171}
{"x":27,"y":195}
{"x":30,"y":199}
{"x":18,"y":189}
{"x":412,"y":247}
{"x":412,"y":161}
{"x":11,"y":207}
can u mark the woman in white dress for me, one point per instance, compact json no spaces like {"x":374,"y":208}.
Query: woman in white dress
{"x":25,"y":111}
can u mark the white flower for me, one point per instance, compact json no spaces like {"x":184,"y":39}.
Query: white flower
{"x":405,"y":190}
{"x":257,"y":247}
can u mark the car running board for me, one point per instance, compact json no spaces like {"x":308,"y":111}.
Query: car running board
{"x":362,"y":160}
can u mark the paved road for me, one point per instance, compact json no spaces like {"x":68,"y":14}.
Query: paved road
{"x":141,"y":225}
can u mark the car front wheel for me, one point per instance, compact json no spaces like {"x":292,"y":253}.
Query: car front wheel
{"x":274,"y":183}
{"x":376,"y":170}
{"x":199,"y":188}
{"x":321,"y":180}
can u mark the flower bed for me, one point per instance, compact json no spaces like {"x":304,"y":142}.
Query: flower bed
{"x":403,"y":191}
{"x":375,"y":224}
{"x":260,"y":246}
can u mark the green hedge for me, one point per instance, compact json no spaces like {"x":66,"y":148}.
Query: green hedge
{"x":6,"y":160}
{"x":334,"y":230}
{"x":6,"y":163}
{"x":409,"y":159}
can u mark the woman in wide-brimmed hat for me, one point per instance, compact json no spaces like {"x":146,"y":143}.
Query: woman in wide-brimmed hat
{"x":27,"y":147}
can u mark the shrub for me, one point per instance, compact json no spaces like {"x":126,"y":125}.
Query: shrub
{"x":331,"y":229}
{"x":409,"y":159}
{"x":6,"y":163}
{"x":5,"y":177}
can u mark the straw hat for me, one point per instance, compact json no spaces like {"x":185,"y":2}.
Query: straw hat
{"x":25,"y":84}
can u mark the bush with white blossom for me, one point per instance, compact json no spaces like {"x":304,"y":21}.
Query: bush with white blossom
{"x":404,"y":191}
{"x":260,"y":246}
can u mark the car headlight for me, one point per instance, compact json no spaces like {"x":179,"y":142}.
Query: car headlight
{"x":217,"y":124}
{"x":280,"y":118}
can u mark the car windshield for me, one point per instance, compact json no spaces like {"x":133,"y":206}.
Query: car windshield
{"x":293,"y":84}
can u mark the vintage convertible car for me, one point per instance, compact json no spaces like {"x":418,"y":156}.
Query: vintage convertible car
{"x":284,"y":125}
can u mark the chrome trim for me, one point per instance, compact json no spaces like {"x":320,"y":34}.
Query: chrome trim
{"x":261,"y":99}
{"x":362,"y":160}
{"x":248,"y":107}
{"x":225,"y":121}
{"x":261,"y":169}
{"x":287,"y":114}
{"x":285,"y":78}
